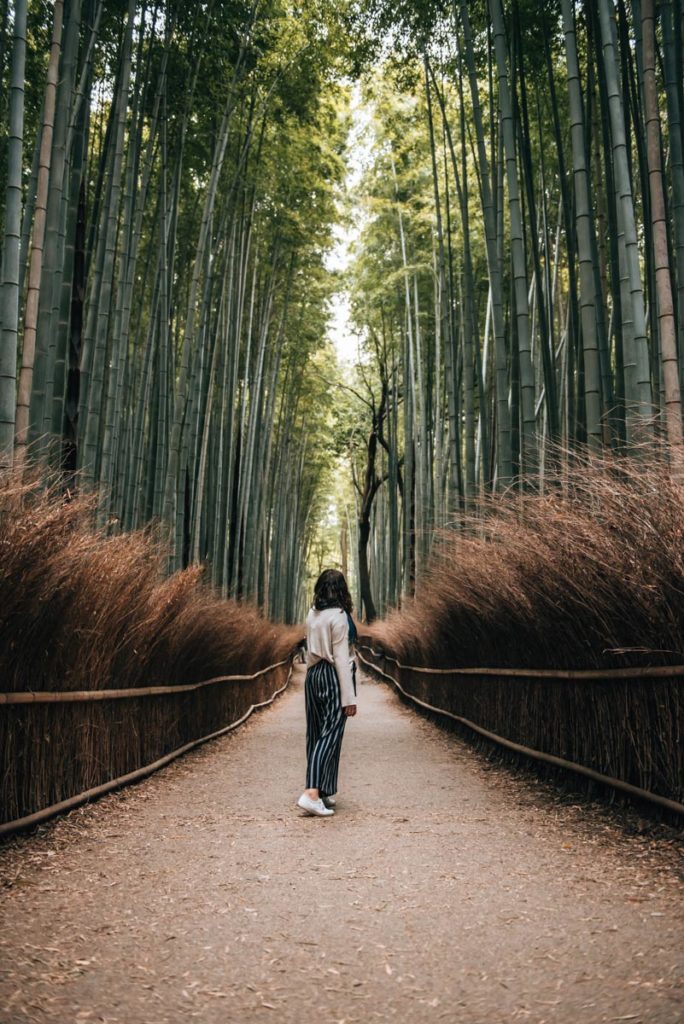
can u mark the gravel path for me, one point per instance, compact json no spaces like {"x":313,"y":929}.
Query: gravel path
{"x":444,"y":889}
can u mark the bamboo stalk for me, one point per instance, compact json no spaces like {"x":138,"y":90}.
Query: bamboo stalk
{"x":10,"y":284}
{"x":37,"y":243}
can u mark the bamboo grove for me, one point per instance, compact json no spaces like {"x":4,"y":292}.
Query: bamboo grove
{"x":518,"y":275}
{"x":172,"y":176}
{"x":169,"y":172}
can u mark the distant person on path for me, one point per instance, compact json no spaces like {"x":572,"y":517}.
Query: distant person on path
{"x":330,"y":689}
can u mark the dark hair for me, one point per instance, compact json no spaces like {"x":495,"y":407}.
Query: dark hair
{"x":331,"y":591}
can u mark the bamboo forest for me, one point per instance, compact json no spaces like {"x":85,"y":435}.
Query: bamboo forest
{"x":306,"y":284}
{"x":341,"y":370}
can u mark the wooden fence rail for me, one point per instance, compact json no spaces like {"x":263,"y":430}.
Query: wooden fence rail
{"x":61,"y":749}
{"x":619,"y":727}
{"x":67,"y":696}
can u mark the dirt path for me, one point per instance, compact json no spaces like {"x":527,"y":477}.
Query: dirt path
{"x":442,"y":890}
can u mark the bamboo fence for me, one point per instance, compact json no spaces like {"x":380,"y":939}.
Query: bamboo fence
{"x":618,"y":727}
{"x":60,"y":749}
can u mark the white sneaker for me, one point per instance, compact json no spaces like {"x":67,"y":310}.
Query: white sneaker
{"x":329,"y":801}
{"x":314,"y":806}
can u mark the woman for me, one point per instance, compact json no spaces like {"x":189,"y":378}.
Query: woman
{"x":330,"y":689}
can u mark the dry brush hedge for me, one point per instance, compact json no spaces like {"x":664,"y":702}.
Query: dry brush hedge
{"x":588,"y":577}
{"x":81,"y":611}
{"x":625,"y":730}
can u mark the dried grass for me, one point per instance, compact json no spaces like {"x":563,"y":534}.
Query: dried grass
{"x":590,"y":575}
{"x":83,"y":611}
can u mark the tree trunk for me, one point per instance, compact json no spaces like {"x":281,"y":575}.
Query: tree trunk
{"x":584,"y":226}
{"x":522,"y":315}
{"x":639,"y":409}
{"x":666,"y":318}
{"x":37,"y":242}
{"x":9,"y":314}
{"x":489,"y":210}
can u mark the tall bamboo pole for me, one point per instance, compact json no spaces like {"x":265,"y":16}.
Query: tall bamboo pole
{"x":489,"y":211}
{"x":170,"y":510}
{"x":37,"y":242}
{"x":9,"y":295}
{"x":666,"y":317}
{"x":520,"y":285}
{"x":640,"y":411}
{"x":584,"y":226}
{"x":671,"y":30}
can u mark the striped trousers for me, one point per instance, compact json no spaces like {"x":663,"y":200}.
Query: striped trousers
{"x":325,"y":724}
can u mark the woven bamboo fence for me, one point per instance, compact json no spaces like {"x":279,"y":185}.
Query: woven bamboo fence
{"x":59,"y":749}
{"x":620,"y":727}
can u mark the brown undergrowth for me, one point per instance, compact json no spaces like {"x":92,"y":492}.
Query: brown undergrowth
{"x":588,"y":575}
{"x":80,"y":610}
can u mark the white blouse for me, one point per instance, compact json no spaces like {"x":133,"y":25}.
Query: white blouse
{"x":327,"y":638}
